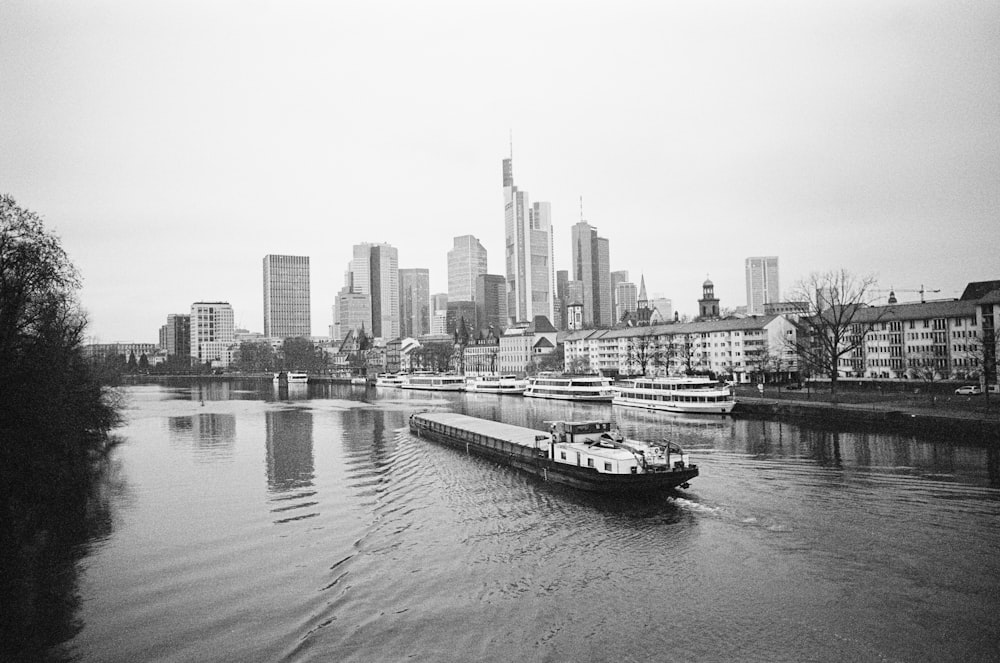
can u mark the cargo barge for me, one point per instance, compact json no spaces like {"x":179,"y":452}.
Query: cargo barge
{"x":584,"y":454}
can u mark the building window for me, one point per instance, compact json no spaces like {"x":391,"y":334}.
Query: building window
{"x":607,"y":467}
{"x":590,"y":462}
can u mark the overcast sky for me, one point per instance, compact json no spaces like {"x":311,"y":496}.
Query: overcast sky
{"x":172,"y":145}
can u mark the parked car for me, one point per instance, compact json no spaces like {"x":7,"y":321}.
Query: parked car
{"x":968,"y":390}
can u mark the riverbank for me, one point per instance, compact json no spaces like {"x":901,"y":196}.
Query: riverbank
{"x":900,"y":415}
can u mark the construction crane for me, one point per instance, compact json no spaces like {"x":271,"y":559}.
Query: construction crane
{"x":922,"y":290}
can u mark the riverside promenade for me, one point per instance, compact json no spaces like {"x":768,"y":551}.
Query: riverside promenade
{"x":915,"y":413}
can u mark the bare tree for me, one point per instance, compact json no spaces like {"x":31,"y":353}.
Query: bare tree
{"x":643,"y":349}
{"x":983,"y":356}
{"x":835,"y":314}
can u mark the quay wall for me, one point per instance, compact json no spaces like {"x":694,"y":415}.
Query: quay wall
{"x":854,"y":417}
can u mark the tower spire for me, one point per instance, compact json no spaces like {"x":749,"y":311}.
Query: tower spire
{"x":581,"y":208}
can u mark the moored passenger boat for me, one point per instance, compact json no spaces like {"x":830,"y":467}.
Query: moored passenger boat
{"x":435,"y":382}
{"x":692,"y":395}
{"x":570,"y":388}
{"x":586,"y":454}
{"x":497,"y":384}
{"x":291,"y":377}
{"x":389,"y":380}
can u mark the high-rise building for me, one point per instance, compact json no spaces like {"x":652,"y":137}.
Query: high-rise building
{"x":529,"y":253}
{"x":211,"y":330}
{"x":662,"y":310}
{"x":374,"y":271}
{"x":177,"y":335}
{"x":352,"y":311}
{"x":439,"y":313}
{"x":491,"y":302}
{"x":627,"y":296}
{"x":762,"y":283}
{"x":460,"y":312}
{"x":286,"y":297}
{"x":592,"y":266}
{"x":414,"y":302}
{"x":466,"y":261}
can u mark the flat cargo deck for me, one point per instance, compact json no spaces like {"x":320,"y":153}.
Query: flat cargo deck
{"x":525,"y":437}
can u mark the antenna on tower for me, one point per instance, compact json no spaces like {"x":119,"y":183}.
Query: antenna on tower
{"x":581,"y":208}
{"x":512,"y":145}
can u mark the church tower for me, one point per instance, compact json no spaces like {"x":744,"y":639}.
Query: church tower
{"x":708,"y":305}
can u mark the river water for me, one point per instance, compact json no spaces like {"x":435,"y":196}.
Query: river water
{"x":248,"y":524}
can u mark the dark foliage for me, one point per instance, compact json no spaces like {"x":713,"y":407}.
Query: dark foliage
{"x":57,"y":410}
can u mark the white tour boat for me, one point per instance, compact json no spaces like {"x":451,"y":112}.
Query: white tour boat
{"x":691,"y":395}
{"x":497,"y":384}
{"x":389,"y":380}
{"x":291,"y":377}
{"x":570,"y":388}
{"x":435,"y":382}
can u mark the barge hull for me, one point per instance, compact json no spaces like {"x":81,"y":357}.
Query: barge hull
{"x":535,"y":461}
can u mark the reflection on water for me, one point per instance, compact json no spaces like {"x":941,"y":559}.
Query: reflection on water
{"x":40,"y":549}
{"x":213,"y":434}
{"x":289,"y":448}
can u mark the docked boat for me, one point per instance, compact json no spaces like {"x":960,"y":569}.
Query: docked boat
{"x":691,"y":395}
{"x":291,"y":377}
{"x":497,"y":384}
{"x":584,"y":454}
{"x":435,"y":382}
{"x":570,"y":387}
{"x":389,"y":380}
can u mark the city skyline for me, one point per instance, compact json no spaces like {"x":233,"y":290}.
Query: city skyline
{"x":170,"y":150}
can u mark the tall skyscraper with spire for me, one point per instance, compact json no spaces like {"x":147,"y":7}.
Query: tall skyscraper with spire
{"x":529,"y":253}
{"x":592,"y":266}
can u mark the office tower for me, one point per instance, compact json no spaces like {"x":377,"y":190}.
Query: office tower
{"x":177,"y":335}
{"x":466,"y":261}
{"x":439,"y":301}
{"x":627,"y":296}
{"x":592,"y":266}
{"x":374,"y":271}
{"x":574,"y":294}
{"x":352,"y":311}
{"x":286,"y":297}
{"x":562,"y":277}
{"x":620,"y":276}
{"x":460,"y":312}
{"x":414,"y":302}
{"x":211,"y":330}
{"x":491,"y":302}
{"x":529,"y":253}
{"x":762,"y":283}
{"x":662,"y":309}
